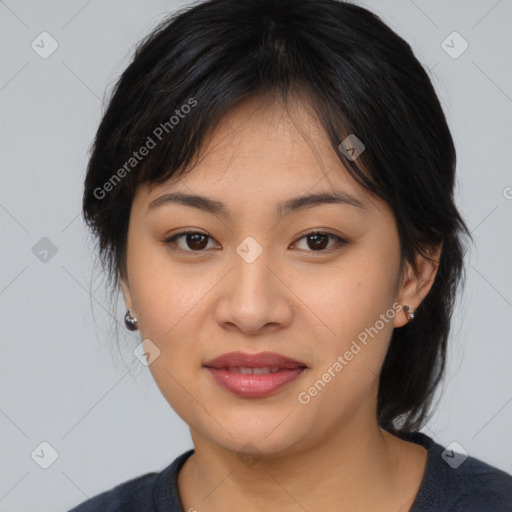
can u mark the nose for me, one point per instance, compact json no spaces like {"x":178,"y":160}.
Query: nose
{"x":255,"y":296}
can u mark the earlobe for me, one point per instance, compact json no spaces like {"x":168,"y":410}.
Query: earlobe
{"x":415,"y":286}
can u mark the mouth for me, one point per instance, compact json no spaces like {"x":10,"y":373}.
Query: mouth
{"x":254,"y":375}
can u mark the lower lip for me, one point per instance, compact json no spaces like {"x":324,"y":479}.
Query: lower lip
{"x":254,"y":386}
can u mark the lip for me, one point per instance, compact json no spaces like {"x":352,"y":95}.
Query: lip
{"x":225,"y":370}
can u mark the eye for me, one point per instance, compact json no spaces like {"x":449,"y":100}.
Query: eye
{"x":318,"y":240}
{"x":194,"y":241}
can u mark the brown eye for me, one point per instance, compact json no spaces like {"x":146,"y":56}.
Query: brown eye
{"x":193,"y":241}
{"x":319,"y":242}
{"x":196,"y":241}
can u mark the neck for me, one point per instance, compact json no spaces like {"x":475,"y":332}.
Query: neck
{"x":354,"y":468}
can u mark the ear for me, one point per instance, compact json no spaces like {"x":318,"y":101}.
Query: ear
{"x":125,"y":287}
{"x":414,"y":288}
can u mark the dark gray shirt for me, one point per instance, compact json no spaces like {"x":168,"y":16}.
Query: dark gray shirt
{"x":472,"y":486}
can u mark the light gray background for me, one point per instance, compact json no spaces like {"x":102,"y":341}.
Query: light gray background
{"x":102,"y":413}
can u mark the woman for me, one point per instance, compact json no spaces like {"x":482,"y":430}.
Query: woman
{"x":271,"y":187}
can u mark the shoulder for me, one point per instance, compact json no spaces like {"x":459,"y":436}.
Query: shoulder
{"x":134,"y":494}
{"x":479,"y":486}
{"x":456,"y":482}
{"x":150,"y":492}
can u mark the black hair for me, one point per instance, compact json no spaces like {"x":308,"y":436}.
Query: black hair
{"x":360,"y":77}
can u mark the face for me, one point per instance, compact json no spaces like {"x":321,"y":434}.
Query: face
{"x":316,"y":282}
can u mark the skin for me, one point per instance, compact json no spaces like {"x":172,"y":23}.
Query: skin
{"x":307,"y":304}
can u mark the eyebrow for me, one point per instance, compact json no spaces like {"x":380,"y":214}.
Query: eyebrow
{"x":294,"y":204}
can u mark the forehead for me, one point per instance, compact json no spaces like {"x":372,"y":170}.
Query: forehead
{"x":262,"y":151}
{"x":262,"y":134}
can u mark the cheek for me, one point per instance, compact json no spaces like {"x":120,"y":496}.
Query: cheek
{"x":352,"y":293}
{"x":169,"y":300}
{"x":166,"y":294}
{"x":353,"y":307}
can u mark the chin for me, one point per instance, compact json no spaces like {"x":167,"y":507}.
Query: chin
{"x":243,"y":433}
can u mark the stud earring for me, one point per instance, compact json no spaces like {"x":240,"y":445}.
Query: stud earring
{"x":130,"y":321}
{"x":408,"y":312}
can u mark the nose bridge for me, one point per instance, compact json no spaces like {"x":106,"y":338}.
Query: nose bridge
{"x":253,"y":296}
{"x":251,"y":273}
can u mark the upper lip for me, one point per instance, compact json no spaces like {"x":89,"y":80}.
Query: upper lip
{"x":259,"y":360}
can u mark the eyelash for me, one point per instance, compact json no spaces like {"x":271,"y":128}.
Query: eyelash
{"x":339,"y":241}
